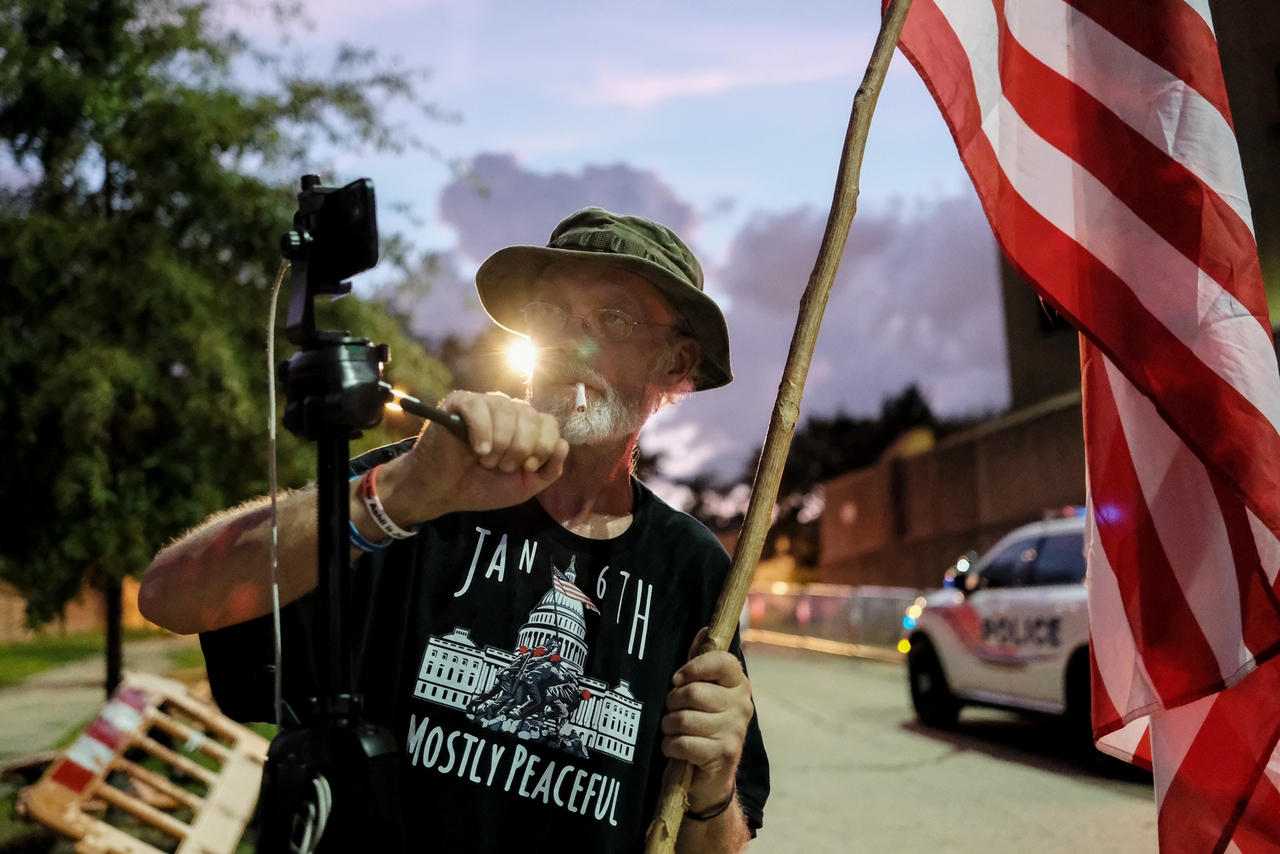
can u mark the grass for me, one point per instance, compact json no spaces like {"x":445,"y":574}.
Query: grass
{"x":187,"y":658}
{"x":18,"y":835}
{"x":22,"y":659}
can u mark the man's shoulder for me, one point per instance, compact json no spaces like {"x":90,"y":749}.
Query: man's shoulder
{"x":665,"y":520}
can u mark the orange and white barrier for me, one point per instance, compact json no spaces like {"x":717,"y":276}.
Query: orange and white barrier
{"x":170,"y":762}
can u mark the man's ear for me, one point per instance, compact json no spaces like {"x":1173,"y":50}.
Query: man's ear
{"x":684,"y":356}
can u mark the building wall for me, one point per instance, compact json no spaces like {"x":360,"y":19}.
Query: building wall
{"x":904,"y":521}
{"x":83,"y":614}
{"x":1045,"y":361}
{"x":1044,"y":350}
{"x":1248,"y":33}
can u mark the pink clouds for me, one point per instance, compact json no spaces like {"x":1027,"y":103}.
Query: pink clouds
{"x":916,"y":300}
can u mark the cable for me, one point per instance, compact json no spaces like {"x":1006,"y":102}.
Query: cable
{"x":278,"y":698}
{"x":314,"y":818}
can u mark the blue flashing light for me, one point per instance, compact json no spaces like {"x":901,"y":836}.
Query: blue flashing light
{"x":908,"y":622}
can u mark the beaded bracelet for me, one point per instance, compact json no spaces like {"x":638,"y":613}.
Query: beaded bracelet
{"x":713,"y":812}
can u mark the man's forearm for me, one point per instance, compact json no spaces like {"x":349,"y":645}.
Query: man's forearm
{"x":220,"y":573}
{"x":727,"y":833}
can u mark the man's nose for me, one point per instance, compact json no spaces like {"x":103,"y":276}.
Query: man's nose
{"x":573,"y":339}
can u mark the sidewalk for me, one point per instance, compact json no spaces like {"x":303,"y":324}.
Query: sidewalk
{"x":42,"y":709}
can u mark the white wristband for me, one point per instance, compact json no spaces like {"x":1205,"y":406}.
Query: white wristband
{"x":372,"y":503}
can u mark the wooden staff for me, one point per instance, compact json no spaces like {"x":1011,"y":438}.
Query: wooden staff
{"x":672,"y":803}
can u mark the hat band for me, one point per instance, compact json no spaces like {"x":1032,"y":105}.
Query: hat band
{"x":600,"y":241}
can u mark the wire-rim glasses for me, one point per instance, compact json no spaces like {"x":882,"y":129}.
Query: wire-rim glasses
{"x":544,"y":320}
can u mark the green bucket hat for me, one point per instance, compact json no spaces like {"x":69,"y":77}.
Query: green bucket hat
{"x":637,"y":245}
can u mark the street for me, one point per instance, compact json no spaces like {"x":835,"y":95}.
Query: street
{"x":854,"y":772}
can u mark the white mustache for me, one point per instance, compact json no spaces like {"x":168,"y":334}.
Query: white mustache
{"x":569,"y":374}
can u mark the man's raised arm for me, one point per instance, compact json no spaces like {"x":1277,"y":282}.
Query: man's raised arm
{"x":219,"y":573}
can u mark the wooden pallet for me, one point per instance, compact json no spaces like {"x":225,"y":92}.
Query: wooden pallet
{"x":191,"y":773}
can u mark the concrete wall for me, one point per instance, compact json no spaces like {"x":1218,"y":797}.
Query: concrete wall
{"x":902,"y":522}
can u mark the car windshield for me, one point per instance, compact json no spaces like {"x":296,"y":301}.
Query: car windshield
{"x":1008,"y":568}
{"x":1061,"y":559}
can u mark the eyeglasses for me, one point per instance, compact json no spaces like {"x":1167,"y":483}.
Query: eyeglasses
{"x":544,"y":320}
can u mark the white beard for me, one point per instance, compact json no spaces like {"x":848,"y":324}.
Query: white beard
{"x":609,"y":418}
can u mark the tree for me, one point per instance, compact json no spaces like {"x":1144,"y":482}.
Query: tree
{"x":143,"y":199}
{"x":828,"y":446}
{"x":822,"y":448}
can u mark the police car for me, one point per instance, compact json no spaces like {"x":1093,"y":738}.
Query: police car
{"x":1010,"y":629}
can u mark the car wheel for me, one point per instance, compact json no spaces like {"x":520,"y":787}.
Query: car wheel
{"x":1079,"y":716}
{"x":934,"y":703}
{"x":1079,"y":701}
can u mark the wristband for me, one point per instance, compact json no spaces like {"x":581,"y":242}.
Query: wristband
{"x":372,"y":503}
{"x":715,"y":811}
{"x":358,"y":540}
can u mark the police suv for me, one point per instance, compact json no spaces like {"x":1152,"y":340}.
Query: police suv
{"x":1010,"y":629}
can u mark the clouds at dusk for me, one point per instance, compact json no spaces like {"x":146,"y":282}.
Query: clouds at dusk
{"x":503,"y":204}
{"x":499,"y":203}
{"x":916,"y":299}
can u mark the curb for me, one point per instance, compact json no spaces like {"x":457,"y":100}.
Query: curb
{"x":830,"y":647}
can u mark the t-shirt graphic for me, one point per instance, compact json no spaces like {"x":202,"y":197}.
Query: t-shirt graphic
{"x":521,"y":668}
{"x":538,"y":691}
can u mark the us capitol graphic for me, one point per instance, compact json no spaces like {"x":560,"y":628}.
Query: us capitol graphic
{"x":538,"y":691}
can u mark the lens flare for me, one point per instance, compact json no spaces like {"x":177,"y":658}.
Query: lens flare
{"x":522,"y":356}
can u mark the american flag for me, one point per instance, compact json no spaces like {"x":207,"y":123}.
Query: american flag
{"x":1098,"y":136}
{"x":568,"y":588}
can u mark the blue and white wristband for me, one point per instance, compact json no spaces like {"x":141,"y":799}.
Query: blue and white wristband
{"x":360,"y":543}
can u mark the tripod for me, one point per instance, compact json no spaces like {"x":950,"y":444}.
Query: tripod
{"x":331,"y":784}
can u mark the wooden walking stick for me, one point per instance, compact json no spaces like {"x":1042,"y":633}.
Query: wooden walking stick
{"x":672,"y":803}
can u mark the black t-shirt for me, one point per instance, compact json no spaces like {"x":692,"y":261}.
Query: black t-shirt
{"x":523,"y":670}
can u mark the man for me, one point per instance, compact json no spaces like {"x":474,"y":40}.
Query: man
{"x":531,"y":642}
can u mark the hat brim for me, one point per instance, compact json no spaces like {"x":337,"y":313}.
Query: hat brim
{"x":505,"y":283}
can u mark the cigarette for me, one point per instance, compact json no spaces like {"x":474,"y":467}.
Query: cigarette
{"x":581,"y":400}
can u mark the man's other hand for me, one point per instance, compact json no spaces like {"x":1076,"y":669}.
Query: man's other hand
{"x":515,"y":452}
{"x":708,"y":712}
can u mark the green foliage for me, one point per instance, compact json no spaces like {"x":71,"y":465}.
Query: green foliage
{"x":137,"y":245}
{"x":822,"y":448}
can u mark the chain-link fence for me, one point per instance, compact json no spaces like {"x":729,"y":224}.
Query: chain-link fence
{"x":866,"y":616}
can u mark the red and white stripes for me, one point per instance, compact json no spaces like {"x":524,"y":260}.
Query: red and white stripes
{"x":570,"y":590}
{"x":88,"y":756}
{"x":1098,"y":136}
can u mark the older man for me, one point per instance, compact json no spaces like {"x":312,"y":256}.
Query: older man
{"x":527,"y":610}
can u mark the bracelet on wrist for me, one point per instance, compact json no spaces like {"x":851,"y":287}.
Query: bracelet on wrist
{"x":713,"y":811}
{"x":372,"y":503}
{"x":360,"y":543}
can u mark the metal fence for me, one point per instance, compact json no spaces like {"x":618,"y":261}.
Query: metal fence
{"x":865,"y":616}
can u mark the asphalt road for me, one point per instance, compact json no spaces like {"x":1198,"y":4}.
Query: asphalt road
{"x":854,"y":772}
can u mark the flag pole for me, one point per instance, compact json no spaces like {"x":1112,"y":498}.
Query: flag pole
{"x":673,"y":801}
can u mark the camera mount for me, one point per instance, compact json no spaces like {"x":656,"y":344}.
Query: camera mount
{"x":331,"y":784}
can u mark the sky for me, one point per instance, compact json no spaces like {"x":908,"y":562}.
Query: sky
{"x":723,"y":120}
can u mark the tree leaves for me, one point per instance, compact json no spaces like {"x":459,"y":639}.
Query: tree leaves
{"x":138,"y":239}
